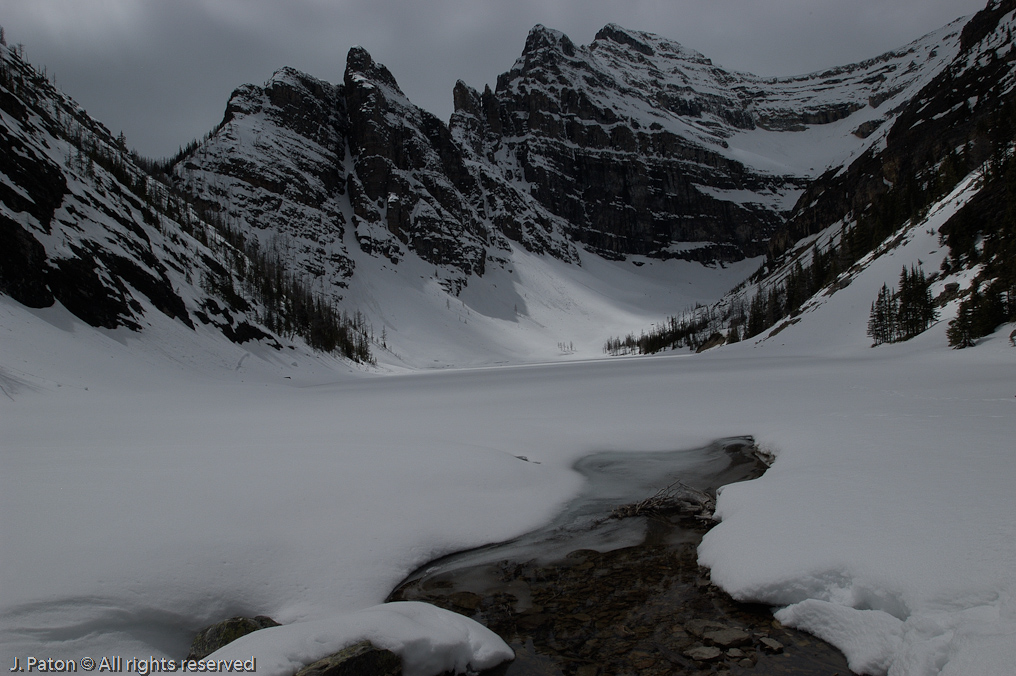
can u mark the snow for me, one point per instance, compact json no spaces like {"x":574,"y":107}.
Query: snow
{"x":520,"y":314}
{"x":892,"y":564}
{"x":430,"y":640}
{"x":873,"y":90}
{"x":154,"y":483}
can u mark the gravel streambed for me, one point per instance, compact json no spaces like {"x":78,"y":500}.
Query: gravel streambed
{"x":614,"y":587}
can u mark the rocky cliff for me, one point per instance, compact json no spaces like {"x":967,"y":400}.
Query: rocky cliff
{"x":645,"y":147}
{"x":630,"y":145}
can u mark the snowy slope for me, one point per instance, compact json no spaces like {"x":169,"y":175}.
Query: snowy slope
{"x":194,"y":482}
{"x":539,"y":309}
{"x":84,"y":226}
{"x":341,"y":178}
{"x":631,"y":145}
{"x":649,"y":79}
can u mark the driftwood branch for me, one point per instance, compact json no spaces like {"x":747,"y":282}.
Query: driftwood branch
{"x":677,"y":497}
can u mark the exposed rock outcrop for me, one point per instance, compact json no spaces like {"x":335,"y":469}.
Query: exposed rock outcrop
{"x":359,"y":659}
{"x":223,"y":633}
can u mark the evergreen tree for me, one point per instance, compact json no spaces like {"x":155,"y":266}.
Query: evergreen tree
{"x":882,"y":320}
{"x":959,"y":333}
{"x":904,"y":313}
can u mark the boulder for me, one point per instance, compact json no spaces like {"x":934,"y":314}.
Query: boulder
{"x":222,"y":633}
{"x":698,"y":627}
{"x":359,"y":659}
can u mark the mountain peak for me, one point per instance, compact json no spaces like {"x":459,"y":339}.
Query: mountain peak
{"x":541,"y":37}
{"x":293,"y":80}
{"x":360,"y":63}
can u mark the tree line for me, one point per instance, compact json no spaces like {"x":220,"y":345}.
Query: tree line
{"x":815,"y":268}
{"x":673,"y":333}
{"x":287,"y":304}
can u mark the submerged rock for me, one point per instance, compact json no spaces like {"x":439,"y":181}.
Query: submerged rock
{"x":703,"y":653}
{"x":728,"y":638}
{"x":645,"y":609}
{"x":698,"y":627}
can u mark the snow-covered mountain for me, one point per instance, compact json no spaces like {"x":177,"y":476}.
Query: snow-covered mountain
{"x":957,"y":123}
{"x":645,"y":147}
{"x":631,"y":145}
{"x":595,"y":190}
{"x":83,"y":222}
{"x":76,"y":230}
{"x":629,"y":150}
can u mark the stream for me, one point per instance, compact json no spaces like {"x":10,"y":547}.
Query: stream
{"x":612,"y":585}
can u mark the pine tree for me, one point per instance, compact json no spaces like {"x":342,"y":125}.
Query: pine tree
{"x":882,"y":320}
{"x":959,"y":333}
{"x":874,"y":325}
{"x":756,"y":316}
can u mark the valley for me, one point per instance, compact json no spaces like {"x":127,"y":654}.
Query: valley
{"x":336,"y":338}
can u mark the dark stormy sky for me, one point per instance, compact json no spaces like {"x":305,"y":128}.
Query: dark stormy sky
{"x":161,"y":71}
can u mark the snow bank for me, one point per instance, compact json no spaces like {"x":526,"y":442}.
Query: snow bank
{"x":429,"y":640}
{"x":869,"y":637}
{"x":888,"y":526}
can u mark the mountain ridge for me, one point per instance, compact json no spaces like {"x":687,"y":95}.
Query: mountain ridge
{"x":558,"y":168}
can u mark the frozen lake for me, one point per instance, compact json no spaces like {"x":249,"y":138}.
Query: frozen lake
{"x":143,"y":498}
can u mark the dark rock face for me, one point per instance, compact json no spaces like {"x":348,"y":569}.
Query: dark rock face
{"x":42,"y":182}
{"x":629,"y":145}
{"x":97,"y":255}
{"x":622,"y":187}
{"x":411,"y":175}
{"x":632,"y":140}
{"x":335,"y":166}
{"x":276,"y":170}
{"x":953,"y":110}
{"x":23,"y":266}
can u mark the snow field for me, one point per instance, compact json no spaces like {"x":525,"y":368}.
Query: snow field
{"x":159,"y":500}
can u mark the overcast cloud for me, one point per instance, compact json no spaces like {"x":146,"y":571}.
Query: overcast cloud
{"x":161,"y":71}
